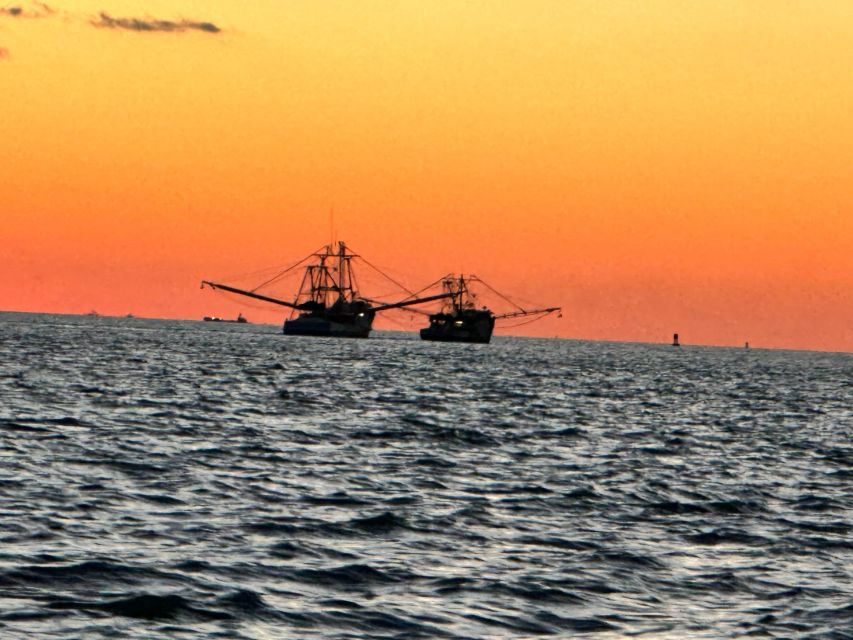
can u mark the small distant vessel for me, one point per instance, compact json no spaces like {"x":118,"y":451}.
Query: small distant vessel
{"x":675,"y":342}
{"x":239,"y":319}
{"x":461,"y":321}
{"x":328,"y":303}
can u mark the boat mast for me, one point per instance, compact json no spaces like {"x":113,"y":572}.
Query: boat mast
{"x":457,"y":289}
{"x":343,"y":263}
{"x":322,"y":291}
{"x":307,"y":278}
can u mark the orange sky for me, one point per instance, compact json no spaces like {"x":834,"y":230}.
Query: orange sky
{"x":652,"y":166}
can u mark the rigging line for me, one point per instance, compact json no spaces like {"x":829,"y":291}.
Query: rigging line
{"x":257,"y":273}
{"x":429,"y":286}
{"x":406,"y":327}
{"x":416,"y":294}
{"x":521,"y":324}
{"x":382,"y":298}
{"x":260,"y":272}
{"x":354,"y":283}
{"x":411,"y":295}
{"x":415,"y":311}
{"x":380,"y":272}
{"x":498,"y":293}
{"x":240,"y":300}
{"x":290,"y":268}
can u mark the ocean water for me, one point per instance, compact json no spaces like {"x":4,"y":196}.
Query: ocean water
{"x":199,"y":480}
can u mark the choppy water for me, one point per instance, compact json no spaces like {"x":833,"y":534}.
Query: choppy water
{"x":168,"y":479}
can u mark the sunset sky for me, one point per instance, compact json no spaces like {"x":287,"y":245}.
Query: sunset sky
{"x":652,"y":166}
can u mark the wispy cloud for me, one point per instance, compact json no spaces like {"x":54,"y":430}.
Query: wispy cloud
{"x":37,"y":9}
{"x":32,"y":10}
{"x":150,"y":24}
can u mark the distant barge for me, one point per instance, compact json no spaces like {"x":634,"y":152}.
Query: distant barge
{"x":240,"y":319}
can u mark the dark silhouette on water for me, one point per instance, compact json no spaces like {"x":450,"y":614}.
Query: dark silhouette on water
{"x":327,"y":301}
{"x":240,"y":319}
{"x":461,"y":321}
{"x":675,"y":342}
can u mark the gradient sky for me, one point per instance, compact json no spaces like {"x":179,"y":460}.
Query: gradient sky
{"x":653,"y":166}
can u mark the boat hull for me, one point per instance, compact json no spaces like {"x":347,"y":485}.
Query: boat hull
{"x":474,"y":326}
{"x":355,"y":327}
{"x":454,"y":336}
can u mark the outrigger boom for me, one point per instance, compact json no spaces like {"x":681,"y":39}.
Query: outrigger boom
{"x":531,"y":312}
{"x":406,"y":303}
{"x":308,"y":305}
{"x":250,"y":294}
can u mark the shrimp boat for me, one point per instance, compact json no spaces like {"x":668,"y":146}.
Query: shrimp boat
{"x":461,"y":321}
{"x":328,"y":302}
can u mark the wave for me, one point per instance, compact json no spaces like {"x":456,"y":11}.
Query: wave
{"x":146,"y":607}
{"x":380,"y":524}
{"x":98,"y":571}
{"x":347,"y":576}
{"x":338,"y":499}
{"x":19,"y":426}
{"x":558,"y":543}
{"x":181,"y":482}
{"x":727,"y":536}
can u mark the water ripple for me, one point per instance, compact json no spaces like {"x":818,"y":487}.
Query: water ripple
{"x":169,"y":479}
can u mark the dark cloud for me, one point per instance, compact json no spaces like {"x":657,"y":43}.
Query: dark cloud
{"x":33,"y":10}
{"x":150,"y":24}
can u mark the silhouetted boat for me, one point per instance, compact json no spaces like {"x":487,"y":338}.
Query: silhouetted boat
{"x":240,"y":319}
{"x":327,"y":302}
{"x":461,"y":321}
